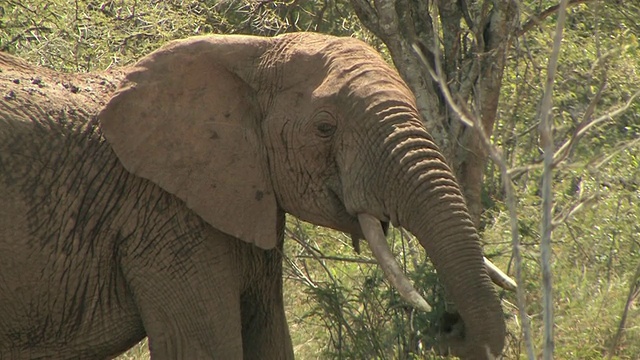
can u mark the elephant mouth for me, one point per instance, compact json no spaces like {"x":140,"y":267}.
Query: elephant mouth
{"x":348,"y":223}
{"x":344,"y":221}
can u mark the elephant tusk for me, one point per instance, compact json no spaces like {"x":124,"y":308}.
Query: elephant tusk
{"x":498,"y":277}
{"x":372,"y":230}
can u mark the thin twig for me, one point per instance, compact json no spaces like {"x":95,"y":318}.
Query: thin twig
{"x":634,"y":292}
{"x":582,"y":203}
{"x":314,"y":252}
{"x":536,"y":19}
{"x":564,"y":150}
{"x":616,"y":151}
{"x":338,"y":258}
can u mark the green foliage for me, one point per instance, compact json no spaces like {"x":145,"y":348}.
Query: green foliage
{"x":87,"y":35}
{"x":91,"y":35}
{"x":270,"y":18}
{"x":364,"y":317}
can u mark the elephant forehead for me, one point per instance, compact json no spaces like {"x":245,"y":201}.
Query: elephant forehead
{"x":301,"y":57}
{"x":364,"y":79}
{"x":363,"y":89}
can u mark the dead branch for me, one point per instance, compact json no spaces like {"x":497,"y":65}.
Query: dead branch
{"x":339,"y":258}
{"x":634,"y":293}
{"x":537,"y":19}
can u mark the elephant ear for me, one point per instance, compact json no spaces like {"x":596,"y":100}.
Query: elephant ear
{"x":190,"y":125}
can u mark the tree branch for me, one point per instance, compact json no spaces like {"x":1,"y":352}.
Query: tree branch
{"x":339,"y":258}
{"x":634,"y":293}
{"x":536,"y":19}
{"x":368,"y":16}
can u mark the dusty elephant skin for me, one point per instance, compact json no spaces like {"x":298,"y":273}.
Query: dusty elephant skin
{"x":163,"y":215}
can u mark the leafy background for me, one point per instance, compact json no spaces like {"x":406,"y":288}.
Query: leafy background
{"x":338,"y":303}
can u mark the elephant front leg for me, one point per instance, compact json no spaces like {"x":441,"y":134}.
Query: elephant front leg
{"x":188,"y":296}
{"x":265,"y":333}
{"x":185,"y":331}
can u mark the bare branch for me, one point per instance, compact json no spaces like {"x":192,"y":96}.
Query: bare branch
{"x":536,"y":19}
{"x":314,"y":252}
{"x":339,"y":258}
{"x":573,"y":209}
{"x":299,"y":274}
{"x":583,"y":128}
{"x":566,"y":148}
{"x":634,"y":293}
{"x":620,"y":148}
{"x":368,"y":16}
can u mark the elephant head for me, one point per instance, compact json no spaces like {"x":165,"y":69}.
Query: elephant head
{"x":244,"y":128}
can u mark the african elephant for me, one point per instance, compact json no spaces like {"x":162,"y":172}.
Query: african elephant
{"x":127,"y":223}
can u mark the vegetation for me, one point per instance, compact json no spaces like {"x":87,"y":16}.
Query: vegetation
{"x":339,"y":304}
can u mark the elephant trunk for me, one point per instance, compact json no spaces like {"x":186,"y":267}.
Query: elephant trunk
{"x":433,"y":209}
{"x":430,"y":205}
{"x":442,"y":225}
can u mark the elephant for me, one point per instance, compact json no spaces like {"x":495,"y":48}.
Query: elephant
{"x":151,"y":200}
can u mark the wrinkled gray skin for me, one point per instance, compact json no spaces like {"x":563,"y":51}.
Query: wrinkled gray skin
{"x":172,"y":227}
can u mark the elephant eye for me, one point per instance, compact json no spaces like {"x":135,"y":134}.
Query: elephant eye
{"x":325,"y":129}
{"x":325,"y":124}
